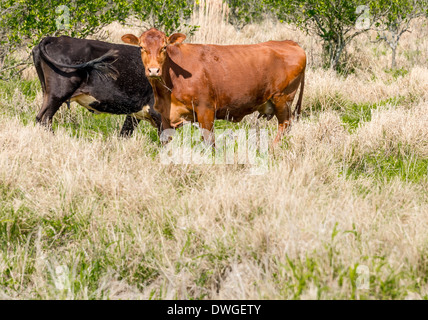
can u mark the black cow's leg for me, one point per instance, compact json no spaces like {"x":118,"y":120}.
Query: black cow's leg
{"x":49,"y":108}
{"x":57,"y":89}
{"x":129,"y":125}
{"x":157,"y":119}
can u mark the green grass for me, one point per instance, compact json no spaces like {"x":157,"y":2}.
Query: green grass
{"x":120,"y":249}
{"x":353,"y":114}
{"x":28,"y":88}
{"x":397,"y":72}
{"x":77,"y":121}
{"x":384,"y":166}
{"x":298,"y":276}
{"x":15,"y":221}
{"x":80,"y":123}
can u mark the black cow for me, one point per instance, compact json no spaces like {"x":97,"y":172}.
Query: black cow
{"x":101,"y":76}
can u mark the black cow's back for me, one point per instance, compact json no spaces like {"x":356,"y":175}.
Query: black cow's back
{"x":64,"y":72}
{"x":124,"y":95}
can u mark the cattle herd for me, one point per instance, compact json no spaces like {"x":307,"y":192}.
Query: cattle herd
{"x":167,"y":82}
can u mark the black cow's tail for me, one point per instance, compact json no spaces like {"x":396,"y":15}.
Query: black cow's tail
{"x":100,"y":64}
{"x":38,"y":65}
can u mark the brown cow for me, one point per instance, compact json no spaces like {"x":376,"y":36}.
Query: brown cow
{"x":201,"y":83}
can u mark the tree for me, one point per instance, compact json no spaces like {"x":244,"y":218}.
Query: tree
{"x":27,"y":21}
{"x":336,"y":22}
{"x":395,"y":17}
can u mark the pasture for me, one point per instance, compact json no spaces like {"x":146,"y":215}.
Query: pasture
{"x":85,"y":214}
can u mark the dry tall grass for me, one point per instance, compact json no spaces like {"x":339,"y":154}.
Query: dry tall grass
{"x":99,"y":217}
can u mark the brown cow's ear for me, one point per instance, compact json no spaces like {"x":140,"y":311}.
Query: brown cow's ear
{"x":131,"y":39}
{"x":176,"y":38}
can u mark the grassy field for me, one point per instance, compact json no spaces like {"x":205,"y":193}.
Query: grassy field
{"x":87,"y":215}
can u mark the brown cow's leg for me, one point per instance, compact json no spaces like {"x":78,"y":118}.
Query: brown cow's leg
{"x":166,"y":133}
{"x":283,"y":114}
{"x":206,"y":121}
{"x":165,"y":123}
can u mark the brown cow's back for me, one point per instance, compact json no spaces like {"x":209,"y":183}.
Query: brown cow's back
{"x":234,"y":79}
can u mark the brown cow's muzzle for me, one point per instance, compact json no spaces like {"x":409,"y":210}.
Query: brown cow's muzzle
{"x":153,"y":72}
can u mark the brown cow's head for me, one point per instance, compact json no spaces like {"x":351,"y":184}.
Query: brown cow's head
{"x":153,"y":44}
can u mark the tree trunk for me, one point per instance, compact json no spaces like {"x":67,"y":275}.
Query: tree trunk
{"x":393,"y":62}
{"x":395,"y":37}
{"x":337,"y":54}
{"x":333,"y":52}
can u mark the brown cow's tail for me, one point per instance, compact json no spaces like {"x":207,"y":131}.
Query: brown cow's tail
{"x":297,"y":110}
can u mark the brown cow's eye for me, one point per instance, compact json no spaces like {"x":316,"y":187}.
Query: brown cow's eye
{"x":163,"y":49}
{"x":142,"y":49}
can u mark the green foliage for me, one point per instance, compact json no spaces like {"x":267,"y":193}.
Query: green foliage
{"x":33,"y":19}
{"x":393,"y":12}
{"x":394,"y":20}
{"x":26,"y":22}
{"x":30,"y":20}
{"x":245,"y":12}
{"x":166,"y":15}
{"x":333,"y":21}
